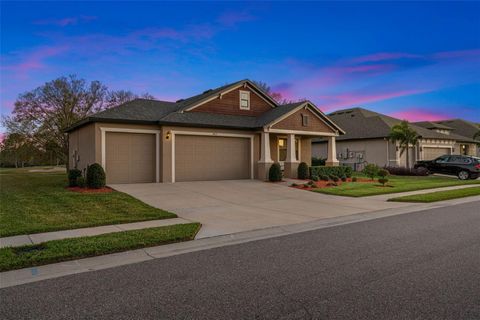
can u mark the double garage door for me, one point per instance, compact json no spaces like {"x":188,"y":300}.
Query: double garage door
{"x":433,"y":153}
{"x":131,"y":158}
{"x":200,"y":158}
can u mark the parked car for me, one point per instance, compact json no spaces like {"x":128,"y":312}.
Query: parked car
{"x":464,"y":167}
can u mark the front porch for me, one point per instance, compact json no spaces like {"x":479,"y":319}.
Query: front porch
{"x":289,"y":148}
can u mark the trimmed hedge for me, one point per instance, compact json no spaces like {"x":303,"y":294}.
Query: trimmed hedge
{"x":95,"y":176}
{"x":403,"y":171}
{"x":275,"y":172}
{"x":331,"y":171}
{"x":317,"y":162}
{"x":302,"y":171}
{"x":73,"y":175}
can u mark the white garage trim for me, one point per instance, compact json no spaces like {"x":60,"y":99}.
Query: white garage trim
{"x":434,"y":146}
{"x":125,"y":130}
{"x":211,"y":134}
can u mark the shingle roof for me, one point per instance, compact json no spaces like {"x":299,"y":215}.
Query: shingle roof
{"x":461,"y":127}
{"x":205,"y":119}
{"x":361,"y":123}
{"x":431,"y":125}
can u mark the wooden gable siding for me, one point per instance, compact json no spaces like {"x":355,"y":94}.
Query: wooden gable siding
{"x":294,"y":122}
{"x":230,"y":104}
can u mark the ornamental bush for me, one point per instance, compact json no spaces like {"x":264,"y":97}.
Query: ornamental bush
{"x":302,"y":171}
{"x":95,"y":176}
{"x":73,"y":175}
{"x":328,"y":171}
{"x":371,"y":170}
{"x":324,"y":177}
{"x":354,"y":179}
{"x":315,"y":178}
{"x":275,"y":172}
{"x":343,"y":178}
{"x":383,"y":181}
{"x":383,"y":173}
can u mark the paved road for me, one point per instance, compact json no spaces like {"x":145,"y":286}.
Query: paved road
{"x":423,"y":265}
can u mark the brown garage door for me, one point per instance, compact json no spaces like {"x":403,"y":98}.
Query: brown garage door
{"x":130,"y":157}
{"x":432,"y":153}
{"x":211,"y":158}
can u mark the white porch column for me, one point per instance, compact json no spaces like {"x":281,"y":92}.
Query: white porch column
{"x":291,"y":162}
{"x":332,"y":153}
{"x":291,"y":157}
{"x":265,"y":156}
{"x":265,"y":162}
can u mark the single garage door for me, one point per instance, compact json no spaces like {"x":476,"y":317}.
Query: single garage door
{"x":130,"y":157}
{"x":432,"y":153}
{"x":200,"y":158}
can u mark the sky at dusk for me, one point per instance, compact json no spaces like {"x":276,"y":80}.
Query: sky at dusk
{"x":416,"y":61}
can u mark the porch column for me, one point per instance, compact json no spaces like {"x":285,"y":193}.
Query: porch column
{"x":332,"y":153}
{"x":265,"y":158}
{"x":291,"y":162}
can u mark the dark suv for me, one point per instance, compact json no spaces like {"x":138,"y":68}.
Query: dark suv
{"x":464,"y":167}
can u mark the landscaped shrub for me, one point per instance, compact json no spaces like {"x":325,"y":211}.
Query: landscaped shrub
{"x":95,"y":176}
{"x":275,"y":172}
{"x":314,"y":186}
{"x":73,"y":175}
{"x":315,"y":178}
{"x":371,"y":170}
{"x":324,"y":177}
{"x":403,"y":171}
{"x":81,"y":182}
{"x":328,"y":171}
{"x":306,"y":185}
{"x":344,"y":178}
{"x":302,"y":171}
{"x":383,"y":176}
{"x":334,"y":178}
{"x":354,"y":179}
{"x":318,"y":161}
{"x":294,"y":185}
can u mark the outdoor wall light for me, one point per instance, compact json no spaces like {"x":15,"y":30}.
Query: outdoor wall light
{"x":168,"y":135}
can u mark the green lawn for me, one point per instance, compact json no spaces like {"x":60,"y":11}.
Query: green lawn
{"x":440,"y":195}
{"x":395,"y":184}
{"x":39,"y":202}
{"x":76,"y":248}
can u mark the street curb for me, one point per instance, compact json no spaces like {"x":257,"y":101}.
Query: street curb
{"x":28,"y":275}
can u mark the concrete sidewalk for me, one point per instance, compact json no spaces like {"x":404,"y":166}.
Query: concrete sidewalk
{"x":385,"y":197}
{"x":21,"y":240}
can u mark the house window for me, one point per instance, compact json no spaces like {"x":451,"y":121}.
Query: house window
{"x":245,"y":100}
{"x":304,"y":120}
{"x":282,"y":149}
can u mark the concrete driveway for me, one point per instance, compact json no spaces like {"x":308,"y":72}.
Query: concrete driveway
{"x":225,"y":207}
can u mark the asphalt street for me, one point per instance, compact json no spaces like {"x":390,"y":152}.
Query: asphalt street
{"x":423,"y":265}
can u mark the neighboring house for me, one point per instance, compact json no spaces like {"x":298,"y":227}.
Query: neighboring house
{"x":466,"y":130}
{"x":233,"y":132}
{"x":366,"y":140}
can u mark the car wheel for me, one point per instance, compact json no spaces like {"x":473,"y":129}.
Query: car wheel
{"x":463,"y":175}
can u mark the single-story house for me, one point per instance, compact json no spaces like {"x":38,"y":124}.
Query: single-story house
{"x":366,"y":140}
{"x":232,"y":132}
{"x":465,"y":131}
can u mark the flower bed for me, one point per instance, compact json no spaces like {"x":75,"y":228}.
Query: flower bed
{"x":88,"y":190}
{"x":329,"y":184}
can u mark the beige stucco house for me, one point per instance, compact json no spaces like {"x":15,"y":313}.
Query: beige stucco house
{"x":366,"y":140}
{"x":233,"y":132}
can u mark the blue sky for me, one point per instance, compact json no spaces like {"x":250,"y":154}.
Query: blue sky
{"x":419,"y":61}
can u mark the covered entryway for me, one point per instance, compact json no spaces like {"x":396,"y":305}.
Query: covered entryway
{"x":130,"y":157}
{"x":201,"y":157}
{"x":430,"y":153}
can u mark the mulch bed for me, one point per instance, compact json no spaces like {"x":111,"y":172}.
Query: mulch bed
{"x":88,"y":190}
{"x":325,"y":184}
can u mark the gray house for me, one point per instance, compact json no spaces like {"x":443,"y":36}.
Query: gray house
{"x":366,"y":140}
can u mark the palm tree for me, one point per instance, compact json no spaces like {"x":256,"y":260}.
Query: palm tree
{"x":405,"y":136}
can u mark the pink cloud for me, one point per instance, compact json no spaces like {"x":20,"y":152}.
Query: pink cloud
{"x":68,"y":21}
{"x":331,"y":102}
{"x":382,"y":56}
{"x":34,"y":60}
{"x":416,"y":114}
{"x":457,"y":54}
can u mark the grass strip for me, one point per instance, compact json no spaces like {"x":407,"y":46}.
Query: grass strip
{"x":440,"y":195}
{"x":77,"y":248}
{"x":395,"y":184}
